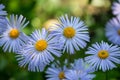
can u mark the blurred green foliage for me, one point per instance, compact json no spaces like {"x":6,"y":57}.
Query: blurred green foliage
{"x":95,"y":15}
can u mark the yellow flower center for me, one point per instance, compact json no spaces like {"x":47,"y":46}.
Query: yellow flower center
{"x":118,"y":32}
{"x":69,"y":32}
{"x":103,"y":54}
{"x":61,"y":75}
{"x":14,"y":33}
{"x":41,"y":45}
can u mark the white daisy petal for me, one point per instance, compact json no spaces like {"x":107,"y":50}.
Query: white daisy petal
{"x":2,"y":13}
{"x":3,"y":20}
{"x":116,"y":8}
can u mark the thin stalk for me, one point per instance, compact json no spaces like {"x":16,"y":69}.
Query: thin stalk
{"x":106,"y":75}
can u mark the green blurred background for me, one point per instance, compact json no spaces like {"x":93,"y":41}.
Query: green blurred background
{"x":41,"y":13}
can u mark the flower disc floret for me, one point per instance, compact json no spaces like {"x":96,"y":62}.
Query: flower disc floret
{"x":41,"y":45}
{"x":103,"y":54}
{"x":14,"y":33}
{"x":69,"y":32}
{"x":61,"y":75}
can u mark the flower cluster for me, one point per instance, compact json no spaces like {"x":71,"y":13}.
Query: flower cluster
{"x":43,"y":47}
{"x":79,"y":70}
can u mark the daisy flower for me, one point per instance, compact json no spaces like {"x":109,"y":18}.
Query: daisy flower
{"x":116,"y":8}
{"x":74,"y":75}
{"x":2,"y":18}
{"x":55,"y":72}
{"x":103,"y":56}
{"x":74,"y":33}
{"x":39,"y":50}
{"x":113,"y":30}
{"x":13,"y":37}
{"x":80,"y":71}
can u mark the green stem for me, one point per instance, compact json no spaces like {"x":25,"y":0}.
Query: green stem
{"x":69,"y":59}
{"x":106,"y":75}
